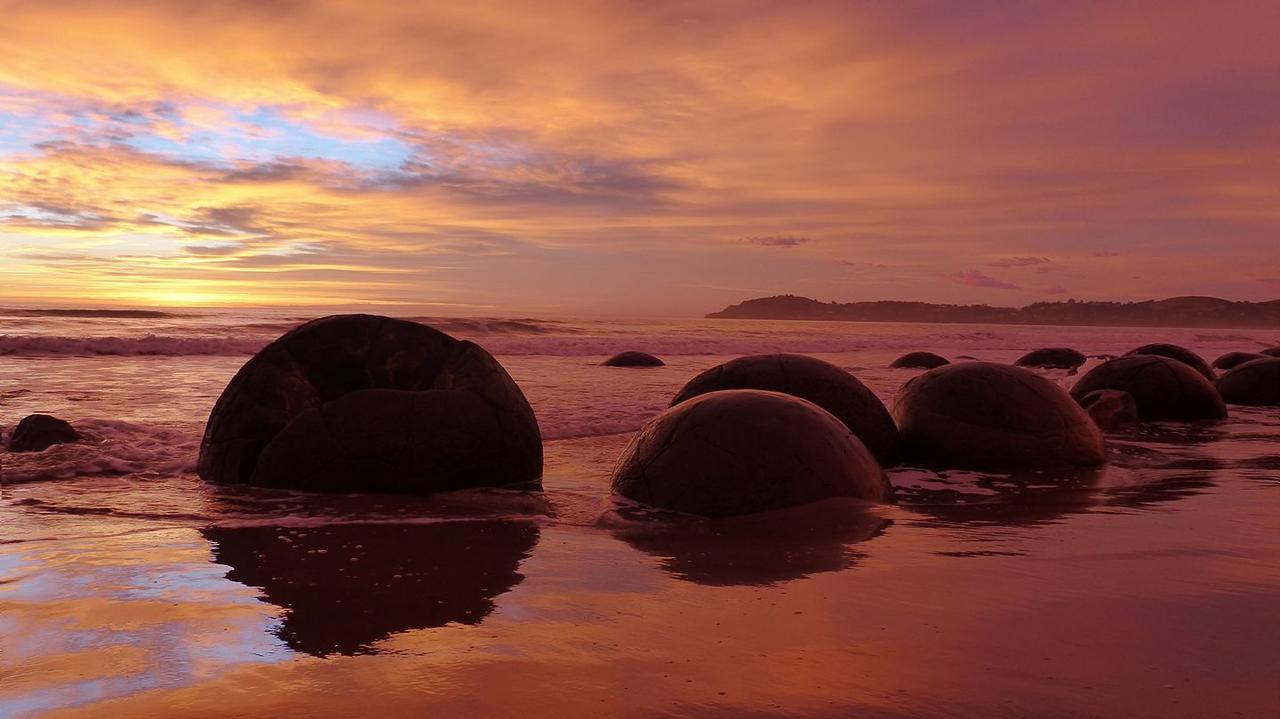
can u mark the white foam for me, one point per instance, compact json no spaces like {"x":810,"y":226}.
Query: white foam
{"x":109,"y":448}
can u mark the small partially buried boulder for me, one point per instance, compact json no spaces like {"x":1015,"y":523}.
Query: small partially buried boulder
{"x":741,"y":451}
{"x":919,"y":360}
{"x":1164,"y":389}
{"x":1254,"y":384}
{"x":1052,"y":358}
{"x":1232,"y":360}
{"x":1176,"y":352}
{"x":981,"y":415}
{"x":1111,"y":408}
{"x":633,"y":359}
{"x":360,"y":403}
{"x":822,"y":383}
{"x":39,"y":432}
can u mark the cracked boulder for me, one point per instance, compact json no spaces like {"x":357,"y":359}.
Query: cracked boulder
{"x":360,"y":403}
{"x":633,"y":359}
{"x":1176,"y":352}
{"x":919,"y":360}
{"x":1231,"y":360}
{"x":1254,"y":384}
{"x":742,"y":451}
{"x":1110,"y":408}
{"x":822,"y":383}
{"x":39,"y":432}
{"x":1164,"y":389}
{"x":1053,"y":358}
{"x":981,"y":415}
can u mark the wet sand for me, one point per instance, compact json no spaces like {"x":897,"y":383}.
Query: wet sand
{"x":1148,"y":590}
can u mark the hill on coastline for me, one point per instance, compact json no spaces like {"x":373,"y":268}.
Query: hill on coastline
{"x":1172,"y":312}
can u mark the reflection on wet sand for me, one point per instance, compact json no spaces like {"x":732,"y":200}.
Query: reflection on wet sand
{"x":757,"y":549}
{"x":346,"y":586}
{"x":1026,"y":498}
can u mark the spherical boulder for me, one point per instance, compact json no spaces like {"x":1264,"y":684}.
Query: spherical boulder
{"x":1052,"y":358}
{"x":1175,"y":352}
{"x":1254,"y":384}
{"x":39,"y":432}
{"x":1164,"y":389}
{"x":1232,"y":360}
{"x":981,"y":415}
{"x":633,"y":359}
{"x":1111,"y":408}
{"x":822,"y":383}
{"x":741,"y":451}
{"x":360,"y":403}
{"x":919,"y":360}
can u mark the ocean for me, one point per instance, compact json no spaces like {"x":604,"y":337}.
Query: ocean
{"x":128,"y":587}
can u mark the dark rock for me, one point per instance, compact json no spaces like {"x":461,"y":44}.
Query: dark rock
{"x":1181,"y":354}
{"x":1164,"y":389}
{"x":1231,"y":360}
{"x":359,"y":403}
{"x":822,"y":383}
{"x":39,"y":432}
{"x":1111,"y":408}
{"x":919,"y":360}
{"x":1273,"y":352}
{"x":741,"y":451}
{"x":1052,"y":358}
{"x":633,"y":359}
{"x":981,"y":415}
{"x":1254,"y":384}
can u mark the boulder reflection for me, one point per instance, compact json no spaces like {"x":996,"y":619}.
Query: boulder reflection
{"x":346,"y":586}
{"x":758,"y":549}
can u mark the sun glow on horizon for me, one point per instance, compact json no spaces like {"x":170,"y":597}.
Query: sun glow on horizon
{"x":635,"y":156}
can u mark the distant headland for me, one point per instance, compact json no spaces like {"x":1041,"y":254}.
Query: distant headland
{"x":1172,"y":312}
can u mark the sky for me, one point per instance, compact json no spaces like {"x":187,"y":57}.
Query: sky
{"x":636,"y":157}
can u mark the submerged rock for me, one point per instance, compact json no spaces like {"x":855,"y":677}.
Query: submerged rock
{"x":741,"y":451}
{"x":919,"y":360}
{"x":1254,"y":384}
{"x":1163,"y":388}
{"x":981,"y":415}
{"x":822,"y":383}
{"x":633,"y":359}
{"x":1053,"y":358}
{"x":1231,"y":360}
{"x":1111,"y":408}
{"x":360,"y":403}
{"x":39,"y":432}
{"x":1176,"y":352}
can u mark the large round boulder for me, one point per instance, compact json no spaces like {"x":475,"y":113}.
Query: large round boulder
{"x":919,"y":360}
{"x":822,"y":383}
{"x":1255,"y":384}
{"x":741,"y":451}
{"x":39,"y":432}
{"x":1164,"y":389}
{"x":981,"y":415}
{"x":1231,"y":360}
{"x":360,"y":403}
{"x":633,"y":359}
{"x":1176,"y":352}
{"x":1053,"y":358}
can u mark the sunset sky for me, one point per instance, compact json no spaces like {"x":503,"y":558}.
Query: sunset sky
{"x":632,"y":157}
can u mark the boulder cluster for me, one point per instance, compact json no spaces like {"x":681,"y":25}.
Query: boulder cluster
{"x":361,"y":403}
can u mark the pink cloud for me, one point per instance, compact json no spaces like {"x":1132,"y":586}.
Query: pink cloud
{"x":974,"y":278}
{"x":1019,"y":262}
{"x":1055,"y":290}
{"x":776,"y":240}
